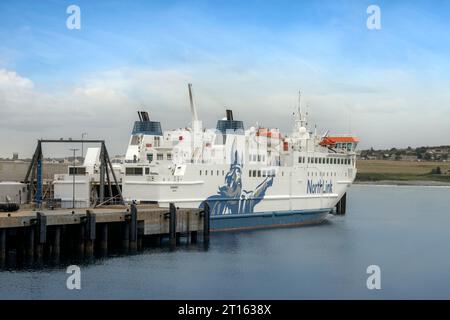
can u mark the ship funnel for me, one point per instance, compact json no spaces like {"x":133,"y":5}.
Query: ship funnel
{"x":229,"y":115}
{"x":143,"y":116}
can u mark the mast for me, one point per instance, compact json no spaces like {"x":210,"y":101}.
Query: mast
{"x":196,"y":135}
{"x":300,"y":120}
{"x":193,"y":107}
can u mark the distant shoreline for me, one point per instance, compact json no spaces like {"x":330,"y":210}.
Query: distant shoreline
{"x":423,"y":183}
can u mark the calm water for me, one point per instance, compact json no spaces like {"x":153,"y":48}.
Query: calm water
{"x":404,"y":230}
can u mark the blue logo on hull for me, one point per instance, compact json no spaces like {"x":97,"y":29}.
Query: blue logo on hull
{"x":231,"y":198}
{"x":319,"y":187}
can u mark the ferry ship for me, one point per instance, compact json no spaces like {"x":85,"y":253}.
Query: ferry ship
{"x":250,"y":178}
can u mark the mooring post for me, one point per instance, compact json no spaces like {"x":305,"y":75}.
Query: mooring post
{"x":103,"y":239}
{"x":90,"y":234}
{"x":41,"y":234}
{"x":2,"y":247}
{"x":206,"y":224}
{"x":172,"y":224}
{"x":133,"y":228}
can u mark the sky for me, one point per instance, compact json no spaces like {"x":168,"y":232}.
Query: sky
{"x":390,"y":87}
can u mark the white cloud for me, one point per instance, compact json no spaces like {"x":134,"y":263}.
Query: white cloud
{"x":104,"y":105}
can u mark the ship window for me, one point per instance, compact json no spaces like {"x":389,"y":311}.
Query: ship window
{"x":200,"y":172}
{"x":159,"y":156}
{"x":169,"y":156}
{"x":299,"y":159}
{"x":150,"y":157}
{"x":147,"y":170}
{"x":134,"y":140}
{"x":250,"y":173}
{"x":282,"y":173}
{"x":212,"y":172}
{"x":264,"y":173}
{"x":259,"y":173}
{"x":217,"y":172}
{"x":77,"y":171}
{"x":206,"y":172}
{"x":254,"y":173}
{"x":315,"y":160}
{"x":157,"y":142}
{"x":223,"y":172}
{"x":132,"y":171}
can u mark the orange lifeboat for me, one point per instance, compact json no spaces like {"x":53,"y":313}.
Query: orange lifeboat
{"x":333,"y":140}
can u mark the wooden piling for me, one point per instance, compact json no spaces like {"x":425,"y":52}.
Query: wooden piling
{"x":193,"y":237}
{"x":344,"y":204}
{"x":56,"y":243}
{"x":133,"y":229}
{"x":90,"y":234}
{"x":103,"y":243}
{"x":341,"y":205}
{"x":2,"y":247}
{"x":29,"y":245}
{"x":126,"y":236}
{"x":172,"y":224}
{"x":41,"y":235}
{"x":81,"y":234}
{"x":206,"y":223}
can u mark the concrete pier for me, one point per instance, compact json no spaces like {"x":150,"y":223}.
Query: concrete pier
{"x":53,"y":234}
